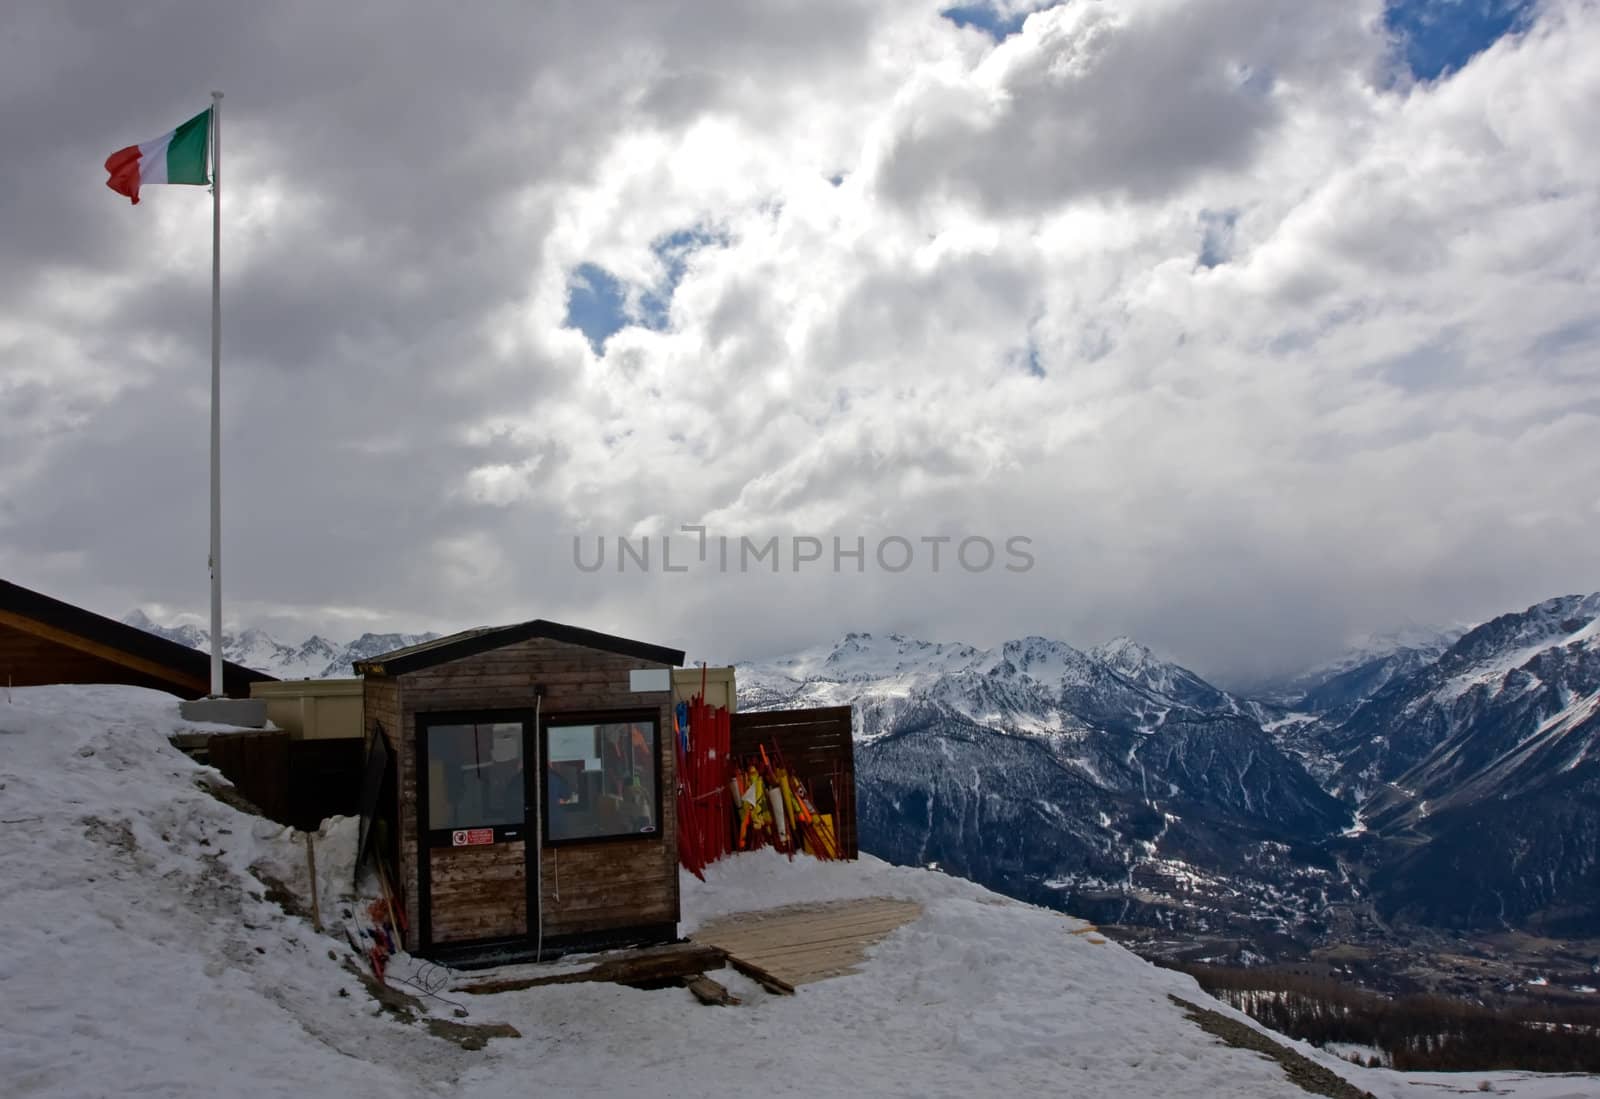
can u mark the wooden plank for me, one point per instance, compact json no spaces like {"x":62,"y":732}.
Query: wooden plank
{"x":662,"y":963}
{"x":660,"y":902}
{"x":605,"y":919}
{"x":761,"y":976}
{"x":844,"y":945}
{"x":772,"y":950}
{"x":600,"y":893}
{"x":809,"y":942}
{"x":802,"y":922}
{"x":710,"y":992}
{"x":801,"y":914}
{"x":478,"y":892}
{"x":793,"y":967}
{"x":578,"y":881}
{"x":606,"y":855}
{"x":777,"y":939}
{"x":590,"y":876}
{"x":460,"y":925}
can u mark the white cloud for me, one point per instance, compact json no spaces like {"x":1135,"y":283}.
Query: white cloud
{"x":1374,"y":408}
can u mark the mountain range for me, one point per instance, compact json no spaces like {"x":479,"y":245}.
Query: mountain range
{"x":314,"y":658}
{"x":1446,"y":779}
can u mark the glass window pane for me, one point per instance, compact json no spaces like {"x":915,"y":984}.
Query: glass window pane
{"x":475,"y":777}
{"x":602,"y":780}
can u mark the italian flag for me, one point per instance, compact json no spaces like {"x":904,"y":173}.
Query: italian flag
{"x":178,"y":156}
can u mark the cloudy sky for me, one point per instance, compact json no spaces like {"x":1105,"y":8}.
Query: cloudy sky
{"x":1267,"y":324}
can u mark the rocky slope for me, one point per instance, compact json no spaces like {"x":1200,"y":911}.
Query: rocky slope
{"x":1482,"y":773}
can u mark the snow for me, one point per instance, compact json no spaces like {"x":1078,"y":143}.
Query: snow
{"x":1490,"y":673}
{"x":142,"y":957}
{"x":1349,"y":1050}
{"x":314,"y":658}
{"x":1493,"y":672}
{"x":1017,"y":686}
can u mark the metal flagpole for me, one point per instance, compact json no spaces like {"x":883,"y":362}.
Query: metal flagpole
{"x":216,"y":394}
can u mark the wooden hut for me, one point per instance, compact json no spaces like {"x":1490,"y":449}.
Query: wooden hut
{"x":530,"y":797}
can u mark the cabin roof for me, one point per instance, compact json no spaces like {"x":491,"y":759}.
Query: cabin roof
{"x":33,"y":612}
{"x":481,"y":639}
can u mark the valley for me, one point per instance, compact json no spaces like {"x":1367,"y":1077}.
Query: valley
{"x":1417,"y":818}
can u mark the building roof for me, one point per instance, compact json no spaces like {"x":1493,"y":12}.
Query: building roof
{"x":146,"y":654}
{"x":482,"y":639}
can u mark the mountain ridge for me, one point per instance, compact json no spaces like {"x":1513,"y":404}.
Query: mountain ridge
{"x":315,"y":658}
{"x":1150,"y":794}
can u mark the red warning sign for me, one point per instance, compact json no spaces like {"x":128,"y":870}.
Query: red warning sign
{"x":471,"y":837}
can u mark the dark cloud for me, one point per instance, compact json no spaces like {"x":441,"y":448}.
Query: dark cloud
{"x":1257,"y":358}
{"x":1095,"y":100}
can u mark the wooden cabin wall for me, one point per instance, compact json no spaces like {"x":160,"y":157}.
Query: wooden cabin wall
{"x":380,"y":710}
{"x":612,"y":884}
{"x":380,"y":707}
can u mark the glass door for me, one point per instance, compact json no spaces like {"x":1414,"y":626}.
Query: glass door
{"x":477,"y":863}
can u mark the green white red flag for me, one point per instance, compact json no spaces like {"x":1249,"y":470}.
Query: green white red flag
{"x":177,"y":156}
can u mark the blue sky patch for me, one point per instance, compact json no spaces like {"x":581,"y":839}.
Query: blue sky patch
{"x":600,"y":305}
{"x":673,"y":250}
{"x":1438,"y":37}
{"x":986,"y":18}
{"x":595,"y":304}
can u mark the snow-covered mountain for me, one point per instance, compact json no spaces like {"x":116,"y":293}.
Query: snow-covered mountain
{"x":1452,"y":779}
{"x":1484,"y":769}
{"x":1107,"y":780}
{"x":1032,"y":684}
{"x":314,"y":658}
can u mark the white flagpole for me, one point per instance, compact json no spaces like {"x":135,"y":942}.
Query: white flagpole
{"x":216,"y":395}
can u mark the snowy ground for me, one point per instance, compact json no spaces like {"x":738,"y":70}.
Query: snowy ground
{"x":141,"y":956}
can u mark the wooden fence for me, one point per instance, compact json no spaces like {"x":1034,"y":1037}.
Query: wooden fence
{"x":819,"y":748}
{"x":295,"y":782}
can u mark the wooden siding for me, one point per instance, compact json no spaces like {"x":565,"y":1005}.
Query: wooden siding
{"x":30,"y":660}
{"x":380,"y":708}
{"x":120,"y":653}
{"x":478,"y":892}
{"x":295,"y":782}
{"x":816,"y":744}
{"x":607,"y":885}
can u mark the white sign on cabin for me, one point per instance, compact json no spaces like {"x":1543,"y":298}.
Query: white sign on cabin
{"x":649,"y":679}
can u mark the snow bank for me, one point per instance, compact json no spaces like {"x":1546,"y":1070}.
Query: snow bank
{"x":143,"y":955}
{"x":140,"y":953}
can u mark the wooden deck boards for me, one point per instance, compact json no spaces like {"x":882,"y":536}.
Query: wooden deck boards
{"x":805,"y":943}
{"x":647,"y":965}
